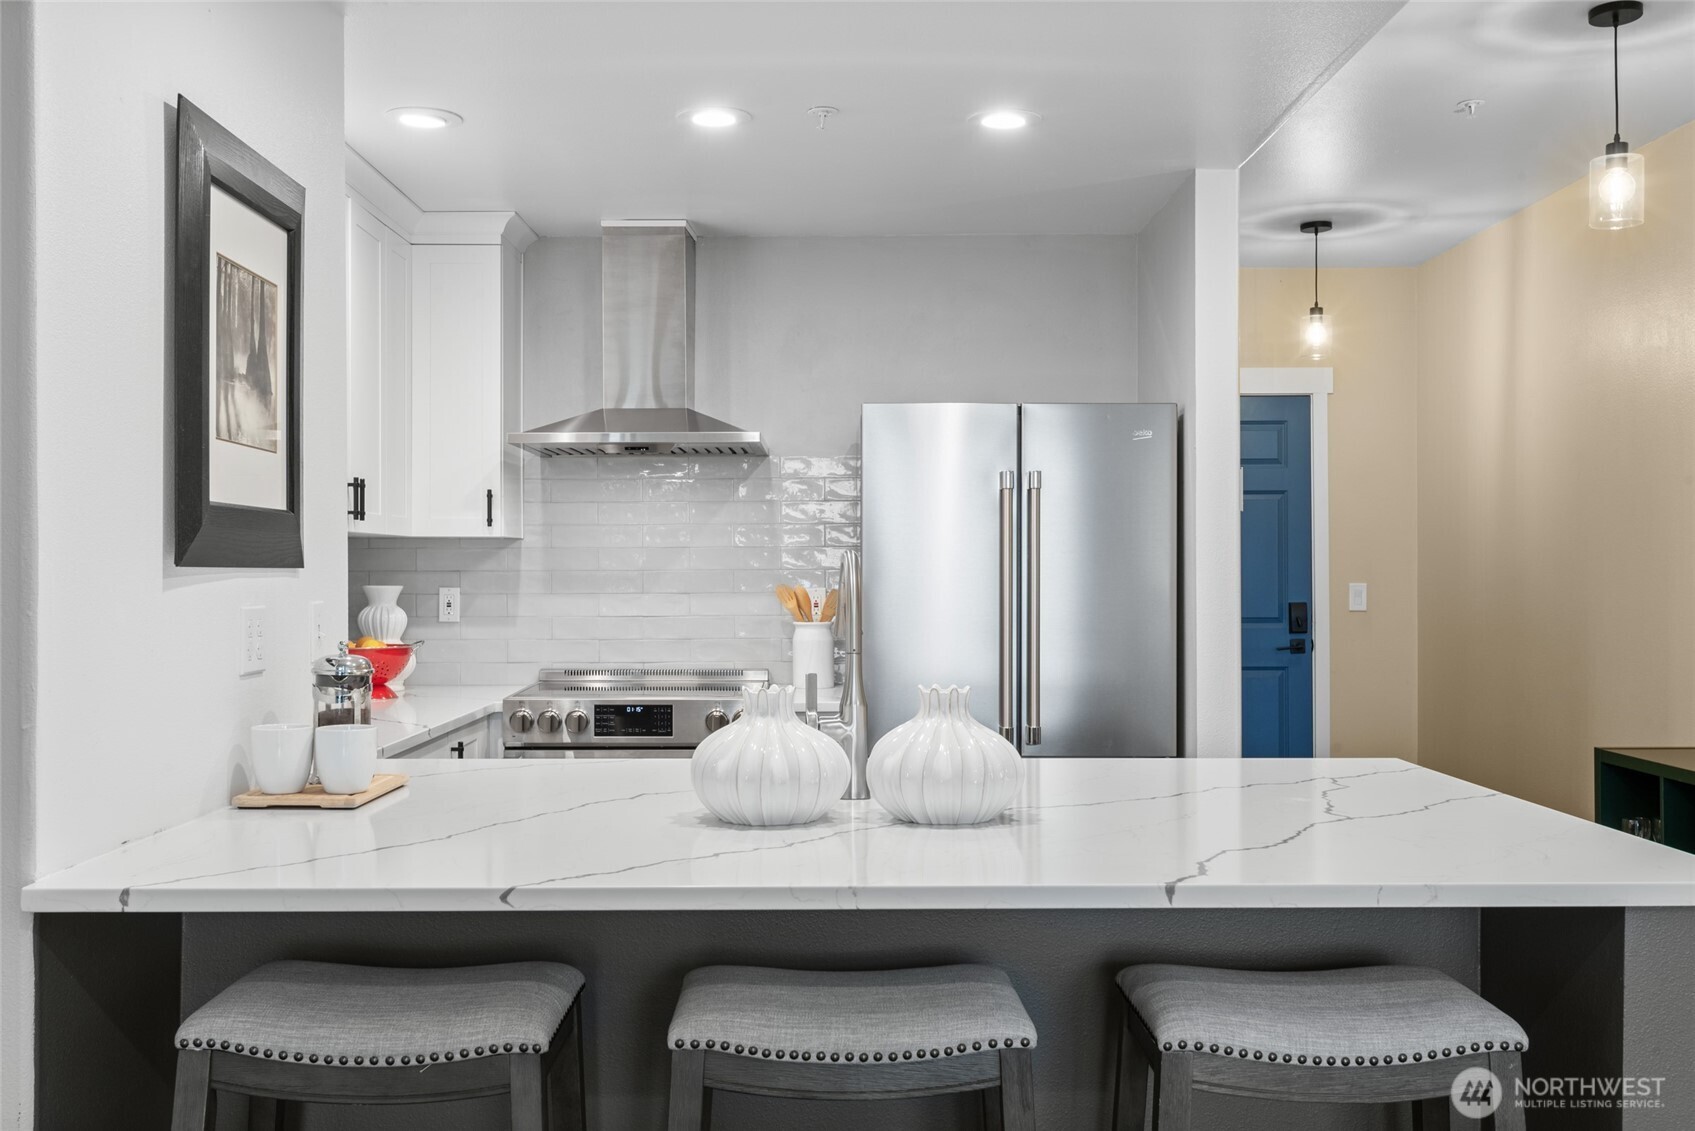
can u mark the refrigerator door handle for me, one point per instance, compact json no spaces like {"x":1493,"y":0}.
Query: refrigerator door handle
{"x":1033,"y":613}
{"x":1009,"y":569}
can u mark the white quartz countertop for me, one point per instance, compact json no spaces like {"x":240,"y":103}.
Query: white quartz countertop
{"x":422,"y":713}
{"x":501,"y":835}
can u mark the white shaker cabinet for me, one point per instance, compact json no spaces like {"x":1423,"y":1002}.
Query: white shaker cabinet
{"x":379,"y":404}
{"x":465,"y":394}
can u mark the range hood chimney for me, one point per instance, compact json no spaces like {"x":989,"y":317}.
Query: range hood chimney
{"x":647,"y":356}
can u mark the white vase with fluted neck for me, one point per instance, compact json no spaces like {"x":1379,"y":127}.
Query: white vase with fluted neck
{"x":768,"y":767}
{"x":943,"y":767}
{"x":382,"y":616}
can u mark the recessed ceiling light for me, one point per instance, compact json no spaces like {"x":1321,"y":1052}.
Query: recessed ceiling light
{"x":1007,"y":119}
{"x":425,"y":117}
{"x":714,"y":117}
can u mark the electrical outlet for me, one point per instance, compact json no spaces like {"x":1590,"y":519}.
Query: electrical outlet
{"x":1356,"y":596}
{"x":255,"y":644}
{"x":315,"y":642}
{"x":448,"y":605}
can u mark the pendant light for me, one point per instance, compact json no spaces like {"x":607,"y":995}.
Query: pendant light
{"x":1618,"y":185}
{"x":1315,"y":336}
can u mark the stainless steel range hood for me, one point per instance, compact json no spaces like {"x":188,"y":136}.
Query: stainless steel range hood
{"x":647,"y":356}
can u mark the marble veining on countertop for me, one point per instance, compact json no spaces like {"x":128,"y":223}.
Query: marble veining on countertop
{"x":501,"y":835}
{"x":422,"y":713}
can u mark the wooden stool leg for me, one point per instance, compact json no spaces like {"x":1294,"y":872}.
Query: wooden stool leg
{"x":688,"y":1088}
{"x":1018,"y":1091}
{"x":1173,"y":1086}
{"x":191,"y":1107}
{"x":566,"y":1099}
{"x":1431,"y":1114}
{"x":1508,"y":1067}
{"x":1130,"y":1093}
{"x":528,"y":1102}
{"x":991,"y":1105}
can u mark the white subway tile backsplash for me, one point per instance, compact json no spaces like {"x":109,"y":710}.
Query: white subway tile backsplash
{"x":625,"y":560}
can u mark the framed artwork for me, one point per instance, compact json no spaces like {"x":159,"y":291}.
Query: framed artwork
{"x":237,"y":325}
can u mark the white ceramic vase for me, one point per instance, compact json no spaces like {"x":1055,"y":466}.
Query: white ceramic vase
{"x":382,"y":616}
{"x":768,"y":767}
{"x":943,"y":767}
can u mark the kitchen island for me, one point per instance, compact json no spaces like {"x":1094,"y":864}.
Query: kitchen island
{"x":1585,"y":935}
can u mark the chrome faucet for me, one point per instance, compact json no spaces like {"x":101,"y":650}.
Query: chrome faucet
{"x":849,"y":726}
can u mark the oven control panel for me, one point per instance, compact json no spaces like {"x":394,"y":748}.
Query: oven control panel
{"x":633,"y":720}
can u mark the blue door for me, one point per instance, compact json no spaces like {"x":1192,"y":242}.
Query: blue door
{"x":1277,"y":605}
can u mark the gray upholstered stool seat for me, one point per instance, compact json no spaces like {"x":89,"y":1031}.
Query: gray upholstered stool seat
{"x":1362,"y":1016}
{"x":370,"y":1016}
{"x":1369,"y":1034}
{"x":322,"y":1033}
{"x":859,"y":1035}
{"x":869,"y":1016}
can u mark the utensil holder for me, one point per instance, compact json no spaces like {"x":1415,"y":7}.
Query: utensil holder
{"x":815,"y":653}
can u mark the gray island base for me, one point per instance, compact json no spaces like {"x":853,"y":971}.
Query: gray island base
{"x":1587,"y":937}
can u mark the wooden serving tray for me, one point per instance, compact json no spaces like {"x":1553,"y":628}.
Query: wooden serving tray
{"x":314,"y":797}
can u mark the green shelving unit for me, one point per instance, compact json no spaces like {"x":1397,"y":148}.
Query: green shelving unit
{"x":1648,"y":781}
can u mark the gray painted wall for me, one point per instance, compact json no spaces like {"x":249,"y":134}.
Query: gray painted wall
{"x":793,"y":335}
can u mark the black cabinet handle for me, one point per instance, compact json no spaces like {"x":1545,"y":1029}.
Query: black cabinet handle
{"x":358,"y":511}
{"x":458,"y":749}
{"x":491,"y":506}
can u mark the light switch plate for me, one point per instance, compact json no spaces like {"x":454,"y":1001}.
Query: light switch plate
{"x":254,"y":640}
{"x":316,"y":645}
{"x":1356,"y":596}
{"x":449,"y":605}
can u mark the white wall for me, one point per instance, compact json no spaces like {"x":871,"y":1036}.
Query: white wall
{"x":137,"y":658}
{"x":17,"y":998}
{"x":793,"y":335}
{"x":1187,"y":267}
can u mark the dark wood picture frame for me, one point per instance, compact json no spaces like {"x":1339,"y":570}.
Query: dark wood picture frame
{"x":210,"y":533}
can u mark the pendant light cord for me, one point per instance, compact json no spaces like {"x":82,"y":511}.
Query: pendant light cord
{"x":1315,"y":266}
{"x":1616,"y":136}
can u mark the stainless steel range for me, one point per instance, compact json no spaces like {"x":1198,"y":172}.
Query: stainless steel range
{"x":605,"y":712}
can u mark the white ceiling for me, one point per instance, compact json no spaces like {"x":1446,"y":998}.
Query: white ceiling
{"x":570,"y":107}
{"x":1380,"y":151}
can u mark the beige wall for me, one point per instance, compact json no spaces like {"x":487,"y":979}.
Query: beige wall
{"x":1557,"y":490}
{"x":1373,"y":486}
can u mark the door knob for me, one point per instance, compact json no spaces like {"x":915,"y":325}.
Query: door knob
{"x":1298,"y":647}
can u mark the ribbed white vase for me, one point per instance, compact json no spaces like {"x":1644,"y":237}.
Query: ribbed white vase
{"x":382,"y":616}
{"x":943,"y":767}
{"x":768,"y":767}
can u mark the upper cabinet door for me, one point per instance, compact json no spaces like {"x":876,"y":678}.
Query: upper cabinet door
{"x":379,"y":422}
{"x":463,"y":478}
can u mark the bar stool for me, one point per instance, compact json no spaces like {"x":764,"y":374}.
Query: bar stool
{"x":865,"y":1035}
{"x":1370,"y":1034}
{"x":318,"y":1032}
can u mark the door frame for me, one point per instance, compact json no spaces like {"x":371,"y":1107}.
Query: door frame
{"x":1316,"y":383}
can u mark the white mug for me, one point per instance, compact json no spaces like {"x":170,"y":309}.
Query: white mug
{"x":347,"y":757}
{"x":282,"y":756}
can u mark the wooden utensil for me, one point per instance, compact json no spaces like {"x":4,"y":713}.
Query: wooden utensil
{"x":805,"y":600}
{"x":829,"y":612}
{"x":790,"y":601}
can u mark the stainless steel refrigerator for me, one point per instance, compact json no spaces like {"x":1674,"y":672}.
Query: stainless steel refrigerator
{"x":1029,"y":551}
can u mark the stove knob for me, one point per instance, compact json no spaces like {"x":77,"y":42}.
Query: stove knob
{"x":716,"y":720}
{"x":575,"y":721}
{"x":549,"y":721}
{"x":521,"y":720}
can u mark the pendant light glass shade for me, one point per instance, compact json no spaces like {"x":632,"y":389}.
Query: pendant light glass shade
{"x":1315,"y":336}
{"x":1618,"y":190}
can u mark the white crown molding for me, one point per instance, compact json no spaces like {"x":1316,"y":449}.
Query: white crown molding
{"x":380,"y":195}
{"x":473,"y":228}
